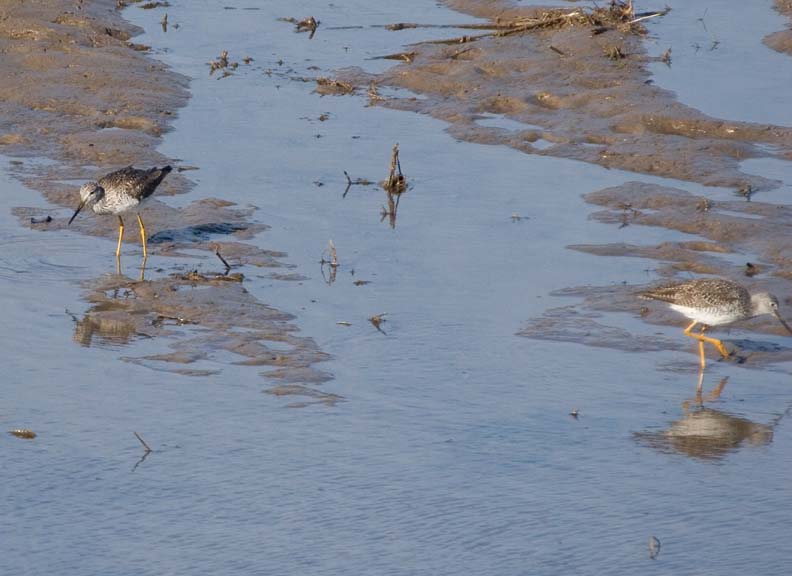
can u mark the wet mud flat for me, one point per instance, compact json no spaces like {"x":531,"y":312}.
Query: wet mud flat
{"x":462,"y":448}
{"x":83,"y":95}
{"x":573,"y":82}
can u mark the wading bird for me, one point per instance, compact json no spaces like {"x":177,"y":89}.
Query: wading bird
{"x":714,"y":302}
{"x":120,"y":192}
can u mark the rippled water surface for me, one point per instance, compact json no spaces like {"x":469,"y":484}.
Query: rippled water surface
{"x":451,"y":449}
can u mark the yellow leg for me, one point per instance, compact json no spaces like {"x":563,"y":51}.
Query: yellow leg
{"x":717,"y":343}
{"x":143,"y":236}
{"x":701,"y":338}
{"x":120,"y":236}
{"x":702,"y":359}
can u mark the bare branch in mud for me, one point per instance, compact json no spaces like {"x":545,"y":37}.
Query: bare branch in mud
{"x":223,"y":260}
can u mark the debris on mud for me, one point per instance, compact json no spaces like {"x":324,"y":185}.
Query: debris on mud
{"x":309,"y":24}
{"x":23,"y":433}
{"x":224,"y":64}
{"x":377,"y":321}
{"x":332,"y":87}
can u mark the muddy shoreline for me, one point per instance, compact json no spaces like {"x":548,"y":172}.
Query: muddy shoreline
{"x":580,"y":85}
{"x":88,"y":99}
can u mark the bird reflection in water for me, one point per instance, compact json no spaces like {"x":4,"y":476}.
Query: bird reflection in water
{"x":707,"y":433}
{"x":109,"y":321}
{"x":104,"y":327}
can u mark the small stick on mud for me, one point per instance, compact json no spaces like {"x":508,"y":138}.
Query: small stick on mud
{"x":223,"y":260}
{"x":145,"y":446}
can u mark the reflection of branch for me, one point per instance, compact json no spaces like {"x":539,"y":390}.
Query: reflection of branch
{"x":654,"y":547}
{"x":146,"y":451}
{"x":332,"y":263}
{"x":357,"y":182}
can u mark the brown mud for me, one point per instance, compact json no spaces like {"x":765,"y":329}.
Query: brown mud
{"x":781,"y":41}
{"x":578,"y":79}
{"x":81,"y":94}
{"x":583,"y":88}
{"x":731,"y":229}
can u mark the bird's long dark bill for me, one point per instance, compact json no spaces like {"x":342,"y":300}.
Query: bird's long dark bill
{"x":80,"y":207}
{"x":778,"y":316}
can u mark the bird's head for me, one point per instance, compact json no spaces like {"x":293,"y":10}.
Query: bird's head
{"x":90,"y":193}
{"x":764,"y":303}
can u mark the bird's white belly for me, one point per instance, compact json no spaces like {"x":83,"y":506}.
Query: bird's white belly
{"x":709,"y":316}
{"x":116,"y":205}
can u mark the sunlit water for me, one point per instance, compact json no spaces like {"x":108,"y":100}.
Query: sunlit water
{"x":453,"y":451}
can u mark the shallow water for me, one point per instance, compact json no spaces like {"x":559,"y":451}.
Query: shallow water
{"x":452,"y":450}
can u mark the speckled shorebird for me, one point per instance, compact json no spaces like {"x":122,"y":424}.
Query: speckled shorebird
{"x":714,"y":302}
{"x":119,"y":192}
